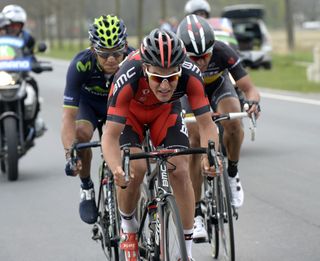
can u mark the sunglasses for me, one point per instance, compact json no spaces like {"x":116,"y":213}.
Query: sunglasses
{"x":204,"y":56}
{"x":107,"y":54}
{"x":160,"y":78}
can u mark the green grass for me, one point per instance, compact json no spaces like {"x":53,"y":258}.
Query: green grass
{"x":289,"y":72}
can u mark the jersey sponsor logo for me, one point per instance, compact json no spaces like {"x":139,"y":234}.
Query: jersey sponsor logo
{"x":184,"y":128}
{"x":97,"y":90}
{"x":191,"y":66}
{"x":83,"y":67}
{"x":123,"y":78}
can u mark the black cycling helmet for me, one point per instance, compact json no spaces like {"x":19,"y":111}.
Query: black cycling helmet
{"x":108,"y":31}
{"x":196,"y":34}
{"x":163,"y":49}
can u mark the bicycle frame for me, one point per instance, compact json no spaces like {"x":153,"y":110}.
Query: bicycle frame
{"x":159,"y":194}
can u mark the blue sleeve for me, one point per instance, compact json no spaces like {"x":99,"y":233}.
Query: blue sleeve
{"x":76,"y":78}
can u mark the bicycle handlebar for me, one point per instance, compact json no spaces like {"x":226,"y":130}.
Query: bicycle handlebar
{"x":166,"y":153}
{"x":217,"y":117}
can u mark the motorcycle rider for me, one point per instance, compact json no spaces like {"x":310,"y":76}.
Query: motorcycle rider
{"x":198,"y":7}
{"x":88,"y":83}
{"x":17,"y":17}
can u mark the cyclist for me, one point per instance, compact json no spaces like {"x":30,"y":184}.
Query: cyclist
{"x":17,"y":17}
{"x":215,"y":60}
{"x":198,"y":7}
{"x":146,"y":91}
{"x":88,"y":82}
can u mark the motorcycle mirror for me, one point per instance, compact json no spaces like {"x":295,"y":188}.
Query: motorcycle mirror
{"x":42,"y":47}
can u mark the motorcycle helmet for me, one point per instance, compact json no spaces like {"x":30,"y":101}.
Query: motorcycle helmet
{"x":15,"y":13}
{"x":3,"y":21}
{"x":163,"y":49}
{"x":108,"y":31}
{"x":196,"y":34}
{"x":193,"y":6}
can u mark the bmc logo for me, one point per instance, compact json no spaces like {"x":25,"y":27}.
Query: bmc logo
{"x":123,"y":78}
{"x":192,"y":67}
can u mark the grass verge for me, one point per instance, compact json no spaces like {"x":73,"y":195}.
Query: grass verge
{"x":289,"y":72}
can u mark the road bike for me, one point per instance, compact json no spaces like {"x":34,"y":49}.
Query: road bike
{"x":107,"y":228}
{"x":219,"y":212}
{"x":160,"y":230}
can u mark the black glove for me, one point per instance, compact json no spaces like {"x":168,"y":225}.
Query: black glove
{"x":71,"y":166}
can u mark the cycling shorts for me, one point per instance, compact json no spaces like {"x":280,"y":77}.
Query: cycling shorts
{"x":164,"y":122}
{"x":92,"y":109}
{"x":215,"y":93}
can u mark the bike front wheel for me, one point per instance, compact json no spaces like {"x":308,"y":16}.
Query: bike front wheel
{"x":226,"y":231}
{"x":172,"y":236}
{"x":212,"y":215}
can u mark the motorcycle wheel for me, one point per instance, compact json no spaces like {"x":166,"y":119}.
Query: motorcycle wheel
{"x":3,"y":166}
{"x":11,"y":142}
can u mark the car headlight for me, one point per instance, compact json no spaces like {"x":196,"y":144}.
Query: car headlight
{"x":6,"y":79}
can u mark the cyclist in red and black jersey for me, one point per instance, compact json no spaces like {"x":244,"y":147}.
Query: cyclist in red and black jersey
{"x":146,"y":91}
{"x":215,"y":60}
{"x":88,"y":82}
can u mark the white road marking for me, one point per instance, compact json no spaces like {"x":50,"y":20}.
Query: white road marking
{"x":290,"y":98}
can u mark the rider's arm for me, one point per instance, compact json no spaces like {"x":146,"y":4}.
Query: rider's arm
{"x":201,"y":109}
{"x":110,"y":144}
{"x":207,"y":129}
{"x":246,"y":85}
{"x":68,"y":129}
{"x":74,"y":81}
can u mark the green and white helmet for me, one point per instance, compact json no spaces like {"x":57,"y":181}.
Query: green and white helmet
{"x":108,"y":31}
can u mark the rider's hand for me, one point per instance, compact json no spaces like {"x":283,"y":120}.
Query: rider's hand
{"x":252,"y":107}
{"x":207,"y":170}
{"x":73,"y":167}
{"x":119,"y":177}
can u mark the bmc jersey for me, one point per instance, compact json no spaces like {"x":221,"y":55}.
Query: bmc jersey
{"x":130,"y":90}
{"x":86,"y":79}
{"x":223,"y":58}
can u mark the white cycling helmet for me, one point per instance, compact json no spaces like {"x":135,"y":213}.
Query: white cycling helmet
{"x":193,"y":6}
{"x":15,"y":13}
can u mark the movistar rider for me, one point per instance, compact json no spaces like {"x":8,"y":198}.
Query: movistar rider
{"x":88,"y":82}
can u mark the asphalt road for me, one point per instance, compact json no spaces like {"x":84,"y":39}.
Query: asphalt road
{"x":280,"y":173}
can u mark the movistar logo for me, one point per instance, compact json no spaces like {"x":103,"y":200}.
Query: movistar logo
{"x":83,"y":67}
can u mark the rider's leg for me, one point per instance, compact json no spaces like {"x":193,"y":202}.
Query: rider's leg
{"x":233,"y":137}
{"x":182,"y":187}
{"x":84,"y":133}
{"x":194,"y":161}
{"x":128,"y":198}
{"x":233,"y":132}
{"x":199,"y":233}
{"x":87,"y":208}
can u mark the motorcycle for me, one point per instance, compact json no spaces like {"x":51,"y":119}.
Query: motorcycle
{"x":18,"y":102}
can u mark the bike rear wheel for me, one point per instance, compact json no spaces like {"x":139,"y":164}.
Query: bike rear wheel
{"x":226,"y":231}
{"x":171,"y":234}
